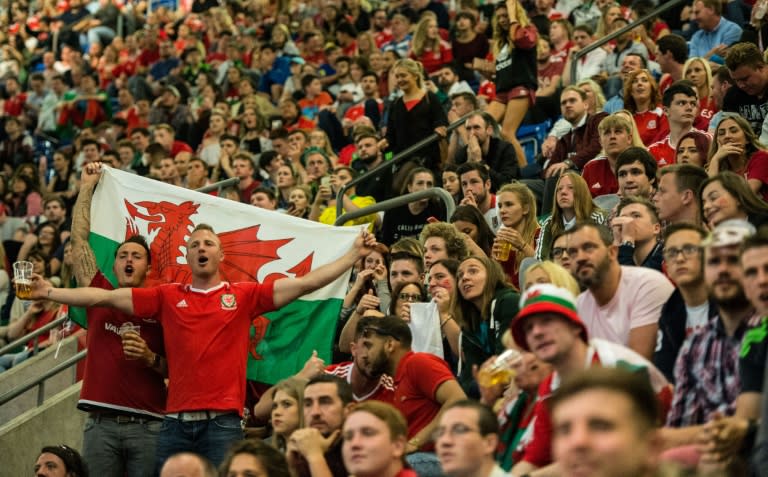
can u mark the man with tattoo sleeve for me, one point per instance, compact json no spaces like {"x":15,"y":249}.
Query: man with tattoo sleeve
{"x":123,"y":389}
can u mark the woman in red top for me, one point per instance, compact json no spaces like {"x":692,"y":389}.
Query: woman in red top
{"x":697,"y":71}
{"x":427,"y":46}
{"x":736,"y":148}
{"x":107,"y":63}
{"x":642,"y":98}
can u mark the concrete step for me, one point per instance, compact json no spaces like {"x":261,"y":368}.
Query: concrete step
{"x":56,"y":422}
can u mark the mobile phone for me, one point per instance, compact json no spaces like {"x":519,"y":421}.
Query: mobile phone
{"x":325,"y":181}
{"x":276,"y":124}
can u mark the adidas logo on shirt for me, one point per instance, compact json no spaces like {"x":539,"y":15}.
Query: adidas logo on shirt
{"x":596,"y":185}
{"x":182,"y":304}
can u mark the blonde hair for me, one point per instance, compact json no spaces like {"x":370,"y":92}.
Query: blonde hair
{"x":557,"y":276}
{"x":413,"y":67}
{"x":636,"y":141}
{"x":597,"y":91}
{"x":421,"y":42}
{"x":707,"y":71}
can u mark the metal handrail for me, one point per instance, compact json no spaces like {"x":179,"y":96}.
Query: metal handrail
{"x":395,"y":160}
{"x":43,"y":329}
{"x":40,"y":380}
{"x":438,"y":192}
{"x":218,"y":186}
{"x":602,"y":41}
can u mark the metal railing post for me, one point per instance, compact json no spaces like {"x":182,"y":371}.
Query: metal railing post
{"x":438,"y":192}
{"x":602,"y":41}
{"x":21,"y":389}
{"x":396,"y":159}
{"x":218,"y":186}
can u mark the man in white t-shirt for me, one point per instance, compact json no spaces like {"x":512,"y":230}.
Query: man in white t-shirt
{"x":689,"y":308}
{"x":621,"y":304}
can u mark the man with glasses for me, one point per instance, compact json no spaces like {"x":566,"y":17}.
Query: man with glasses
{"x":424,"y":384}
{"x":466,"y":440}
{"x":689,"y":308}
{"x":559,"y":255}
{"x":707,"y":377}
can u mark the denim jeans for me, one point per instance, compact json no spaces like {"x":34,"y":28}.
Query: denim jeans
{"x":9,"y":360}
{"x":425,"y":464}
{"x":115,"y":449}
{"x":210,"y":438}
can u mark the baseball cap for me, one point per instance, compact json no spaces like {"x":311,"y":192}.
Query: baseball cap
{"x":729,"y":232}
{"x":545,"y":298}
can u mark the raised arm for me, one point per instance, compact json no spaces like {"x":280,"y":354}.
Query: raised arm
{"x":289,"y":289}
{"x":121,"y":298}
{"x":85,"y":266}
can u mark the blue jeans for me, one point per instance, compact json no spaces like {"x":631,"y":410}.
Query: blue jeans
{"x":425,"y":464}
{"x":115,"y":449}
{"x":210,"y":438}
{"x":9,"y":360}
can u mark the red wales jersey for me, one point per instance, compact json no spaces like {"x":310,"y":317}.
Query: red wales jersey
{"x":111,"y":381}
{"x":207,"y":334}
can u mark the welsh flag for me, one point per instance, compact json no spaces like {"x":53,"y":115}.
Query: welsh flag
{"x":258,"y":245}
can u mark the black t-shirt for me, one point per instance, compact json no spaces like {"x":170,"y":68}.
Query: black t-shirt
{"x":754,"y":349}
{"x":751,"y":108}
{"x":400,"y":222}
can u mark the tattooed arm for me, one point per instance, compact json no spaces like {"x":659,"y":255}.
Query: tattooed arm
{"x":85,"y":264}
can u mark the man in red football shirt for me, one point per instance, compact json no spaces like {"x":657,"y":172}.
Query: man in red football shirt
{"x":205,"y":325}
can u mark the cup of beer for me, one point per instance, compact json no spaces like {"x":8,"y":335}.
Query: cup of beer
{"x":127,"y":328}
{"x":501,"y":370}
{"x":22,"y":279}
{"x":502,"y":252}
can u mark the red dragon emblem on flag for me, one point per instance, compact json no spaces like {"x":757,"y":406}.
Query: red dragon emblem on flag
{"x":169,"y":226}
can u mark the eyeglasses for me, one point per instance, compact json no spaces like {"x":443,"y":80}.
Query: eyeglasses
{"x":687,"y":250}
{"x":558,"y":252}
{"x":410,"y":297}
{"x":454,"y":431}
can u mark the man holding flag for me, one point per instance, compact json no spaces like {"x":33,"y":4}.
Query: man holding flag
{"x":124,"y":395}
{"x":205,"y":327}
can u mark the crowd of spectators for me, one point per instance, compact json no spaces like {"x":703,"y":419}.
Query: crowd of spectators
{"x":627,"y":236}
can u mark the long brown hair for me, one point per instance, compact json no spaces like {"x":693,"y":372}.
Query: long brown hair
{"x":530,"y":221}
{"x":753,"y":141}
{"x":582,"y":203}
{"x":465,"y":312}
{"x":500,"y":35}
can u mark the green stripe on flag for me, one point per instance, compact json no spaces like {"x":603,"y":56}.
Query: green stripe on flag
{"x":104,"y":249}
{"x":294,"y":332}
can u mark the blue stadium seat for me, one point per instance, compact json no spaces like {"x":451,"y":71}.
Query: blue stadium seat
{"x":531,"y":136}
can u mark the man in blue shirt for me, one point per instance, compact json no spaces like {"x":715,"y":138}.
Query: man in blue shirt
{"x":716,"y":33}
